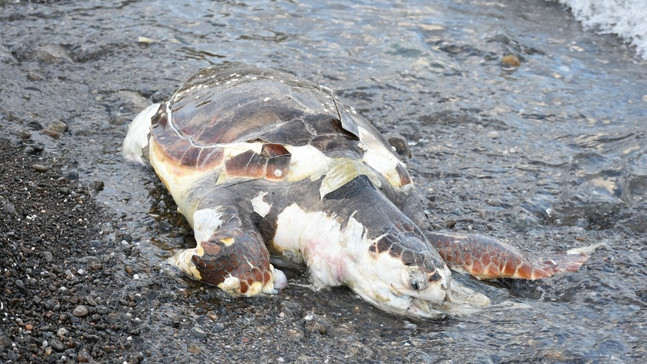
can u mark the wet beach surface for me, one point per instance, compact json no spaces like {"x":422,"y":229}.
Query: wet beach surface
{"x":521,"y":125}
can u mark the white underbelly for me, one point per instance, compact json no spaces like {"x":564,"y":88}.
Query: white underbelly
{"x":317,"y":240}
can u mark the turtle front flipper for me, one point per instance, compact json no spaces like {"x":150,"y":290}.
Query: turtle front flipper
{"x":487,"y":258}
{"x":229,"y":254}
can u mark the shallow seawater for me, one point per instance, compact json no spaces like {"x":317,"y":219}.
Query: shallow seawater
{"x":546,"y":150}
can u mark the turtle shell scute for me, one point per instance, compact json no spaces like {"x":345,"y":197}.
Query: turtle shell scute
{"x":272,"y":163}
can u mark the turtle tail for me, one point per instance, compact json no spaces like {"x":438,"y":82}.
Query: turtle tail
{"x":487,"y":258}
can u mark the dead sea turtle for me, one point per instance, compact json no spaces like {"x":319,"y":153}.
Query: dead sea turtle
{"x":261,"y":163}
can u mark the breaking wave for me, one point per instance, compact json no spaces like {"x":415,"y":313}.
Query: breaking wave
{"x":625,"y":18}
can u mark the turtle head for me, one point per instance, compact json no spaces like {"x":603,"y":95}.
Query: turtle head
{"x":403,"y":274}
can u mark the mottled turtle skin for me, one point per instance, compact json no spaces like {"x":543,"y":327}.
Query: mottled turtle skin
{"x":262,"y":163}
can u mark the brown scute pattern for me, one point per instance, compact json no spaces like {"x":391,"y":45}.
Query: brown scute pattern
{"x":209,"y":157}
{"x":337,"y":147}
{"x":488,"y":258}
{"x":322,"y":131}
{"x":210,"y":123}
{"x":247,"y":164}
{"x":408,"y":257}
{"x":396,"y":250}
{"x":274,"y":150}
{"x":278,"y":161}
{"x":410,"y":249}
{"x":180,"y":150}
{"x":292,"y":132}
{"x":211,"y":248}
{"x":384,"y":244}
{"x":333,"y":126}
{"x":272,"y":163}
{"x":219,"y":107}
{"x":407,"y":226}
{"x":190,"y":156}
{"x":246,"y":259}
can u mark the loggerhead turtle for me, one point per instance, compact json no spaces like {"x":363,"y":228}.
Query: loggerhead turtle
{"x":262,"y":163}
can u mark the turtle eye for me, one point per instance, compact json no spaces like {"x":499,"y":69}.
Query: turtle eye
{"x":414,"y":285}
{"x":417,"y":279}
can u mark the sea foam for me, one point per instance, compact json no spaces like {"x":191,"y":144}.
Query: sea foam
{"x":626,"y":18}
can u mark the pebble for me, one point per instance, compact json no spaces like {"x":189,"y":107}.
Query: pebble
{"x":198,"y":332}
{"x":30,"y":150}
{"x":71,"y":175}
{"x":291,"y":308}
{"x":410,"y":325}
{"x":91,"y":301}
{"x":40,"y":167}
{"x":83,"y":356}
{"x":81,"y":311}
{"x":34,"y":125}
{"x":219,"y":326}
{"x":7,"y":207}
{"x":35,"y":76}
{"x":52,"y":53}
{"x":20,"y":284}
{"x":52,"y":133}
{"x":6,"y":56}
{"x":317,"y":324}
{"x":305,"y":359}
{"x":295,"y":333}
{"x":57,"y":126}
{"x":57,"y":345}
{"x":24,"y":134}
{"x":194,"y":349}
{"x":48,"y":256}
{"x":131,"y":102}
{"x":61,"y":332}
{"x":95,"y":266}
{"x":399,"y":143}
{"x":359,"y":350}
{"x":511,"y":60}
{"x":97,"y":186}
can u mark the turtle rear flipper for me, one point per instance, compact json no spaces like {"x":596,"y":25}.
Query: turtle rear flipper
{"x":487,"y":258}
